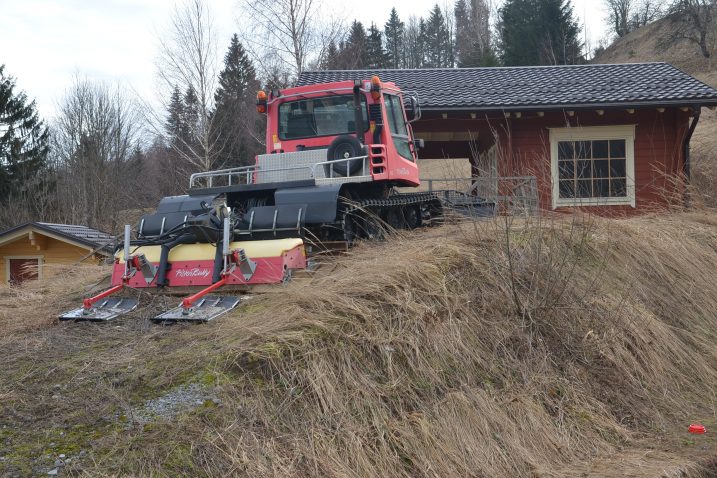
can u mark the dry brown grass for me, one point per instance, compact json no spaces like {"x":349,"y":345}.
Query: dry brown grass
{"x":652,"y":43}
{"x":463,"y":365}
{"x":34,"y":304}
{"x":553,"y":347}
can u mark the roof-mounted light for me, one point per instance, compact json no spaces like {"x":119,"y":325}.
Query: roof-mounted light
{"x":261,"y":102}
{"x":375,"y":87}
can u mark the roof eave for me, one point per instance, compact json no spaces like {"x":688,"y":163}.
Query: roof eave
{"x":576,"y":106}
{"x":99,"y":248}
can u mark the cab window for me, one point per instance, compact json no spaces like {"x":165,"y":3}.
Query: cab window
{"x":397,"y":125}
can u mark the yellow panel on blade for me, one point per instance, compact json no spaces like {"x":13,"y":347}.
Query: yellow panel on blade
{"x":204,"y":252}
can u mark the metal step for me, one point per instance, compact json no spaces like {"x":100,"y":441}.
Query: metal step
{"x":104,"y":310}
{"x":206,"y":309}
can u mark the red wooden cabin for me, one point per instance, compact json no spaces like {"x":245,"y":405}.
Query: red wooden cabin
{"x":612,"y":138}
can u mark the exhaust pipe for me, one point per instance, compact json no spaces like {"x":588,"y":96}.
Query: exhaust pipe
{"x":358,"y":113}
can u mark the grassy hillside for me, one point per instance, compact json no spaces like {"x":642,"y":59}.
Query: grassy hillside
{"x":551,"y":347}
{"x":565,"y":347}
{"x":650,"y":43}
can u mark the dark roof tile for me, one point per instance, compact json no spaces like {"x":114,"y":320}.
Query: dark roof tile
{"x":511,"y":88}
{"x":84,"y":235}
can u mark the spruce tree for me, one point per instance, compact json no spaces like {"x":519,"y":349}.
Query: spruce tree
{"x":375,"y":54}
{"x":354,"y":55}
{"x":330,"y":61}
{"x":23,"y":139}
{"x":539,"y":32}
{"x":235,"y":116}
{"x":394,"y":33}
{"x":175,"y":127}
{"x":437,"y":41}
{"x":190,"y":111}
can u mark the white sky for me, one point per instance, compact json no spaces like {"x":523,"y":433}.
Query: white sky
{"x":44,"y":43}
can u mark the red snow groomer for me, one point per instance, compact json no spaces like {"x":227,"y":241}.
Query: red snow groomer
{"x":334,"y":154}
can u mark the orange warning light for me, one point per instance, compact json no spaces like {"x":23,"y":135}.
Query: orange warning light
{"x":261,"y":102}
{"x":375,"y":87}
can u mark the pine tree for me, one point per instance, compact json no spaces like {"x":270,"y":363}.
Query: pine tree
{"x":235,"y":115}
{"x":23,"y":139}
{"x":438,"y":41}
{"x":539,"y":32}
{"x":375,"y":54}
{"x":394,"y":33}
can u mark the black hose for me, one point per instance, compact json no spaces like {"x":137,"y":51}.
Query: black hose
{"x":218,"y":262}
{"x":358,"y":113}
{"x":164,"y":256}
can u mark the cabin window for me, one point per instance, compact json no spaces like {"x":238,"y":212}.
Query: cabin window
{"x":593,"y":166}
{"x":19,"y":269}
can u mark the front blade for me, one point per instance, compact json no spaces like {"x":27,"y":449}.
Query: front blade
{"x":209,"y":308}
{"x":104,"y":310}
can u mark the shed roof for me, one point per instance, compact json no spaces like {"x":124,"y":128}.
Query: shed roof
{"x":539,"y":87}
{"x":81,"y":235}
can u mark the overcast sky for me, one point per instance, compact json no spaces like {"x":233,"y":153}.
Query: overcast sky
{"x":44,"y":43}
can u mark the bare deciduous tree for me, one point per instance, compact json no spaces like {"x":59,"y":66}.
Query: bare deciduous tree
{"x":413,"y":44}
{"x":287,"y":35}
{"x":695,"y":22}
{"x":189,"y":61}
{"x":626,"y":16}
{"x":96,"y":138}
{"x":619,"y":15}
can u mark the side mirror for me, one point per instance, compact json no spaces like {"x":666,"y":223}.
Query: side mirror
{"x":413,"y":109}
{"x":419,"y":143}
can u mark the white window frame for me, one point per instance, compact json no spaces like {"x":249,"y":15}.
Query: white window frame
{"x":40,"y":262}
{"x":594,"y":133}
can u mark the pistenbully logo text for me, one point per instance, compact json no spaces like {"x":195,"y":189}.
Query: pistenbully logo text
{"x":195,"y":272}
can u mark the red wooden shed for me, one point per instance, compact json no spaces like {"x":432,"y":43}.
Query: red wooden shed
{"x":614,"y":138}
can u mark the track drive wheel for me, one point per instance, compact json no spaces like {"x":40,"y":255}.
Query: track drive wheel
{"x":412,"y":216}
{"x":350,"y":230}
{"x":394,"y":218}
{"x":372,"y":227}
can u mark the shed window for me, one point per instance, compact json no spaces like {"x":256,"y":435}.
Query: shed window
{"x":593,"y":166}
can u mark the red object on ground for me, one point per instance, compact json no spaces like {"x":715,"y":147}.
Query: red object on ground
{"x":697,"y":429}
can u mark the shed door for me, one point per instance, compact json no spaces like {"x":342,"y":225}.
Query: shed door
{"x":23,"y":269}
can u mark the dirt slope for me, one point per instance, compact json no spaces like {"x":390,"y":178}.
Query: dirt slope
{"x":650,"y":43}
{"x":551,"y":348}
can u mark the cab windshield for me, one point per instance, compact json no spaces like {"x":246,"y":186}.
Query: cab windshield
{"x":324,"y":116}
